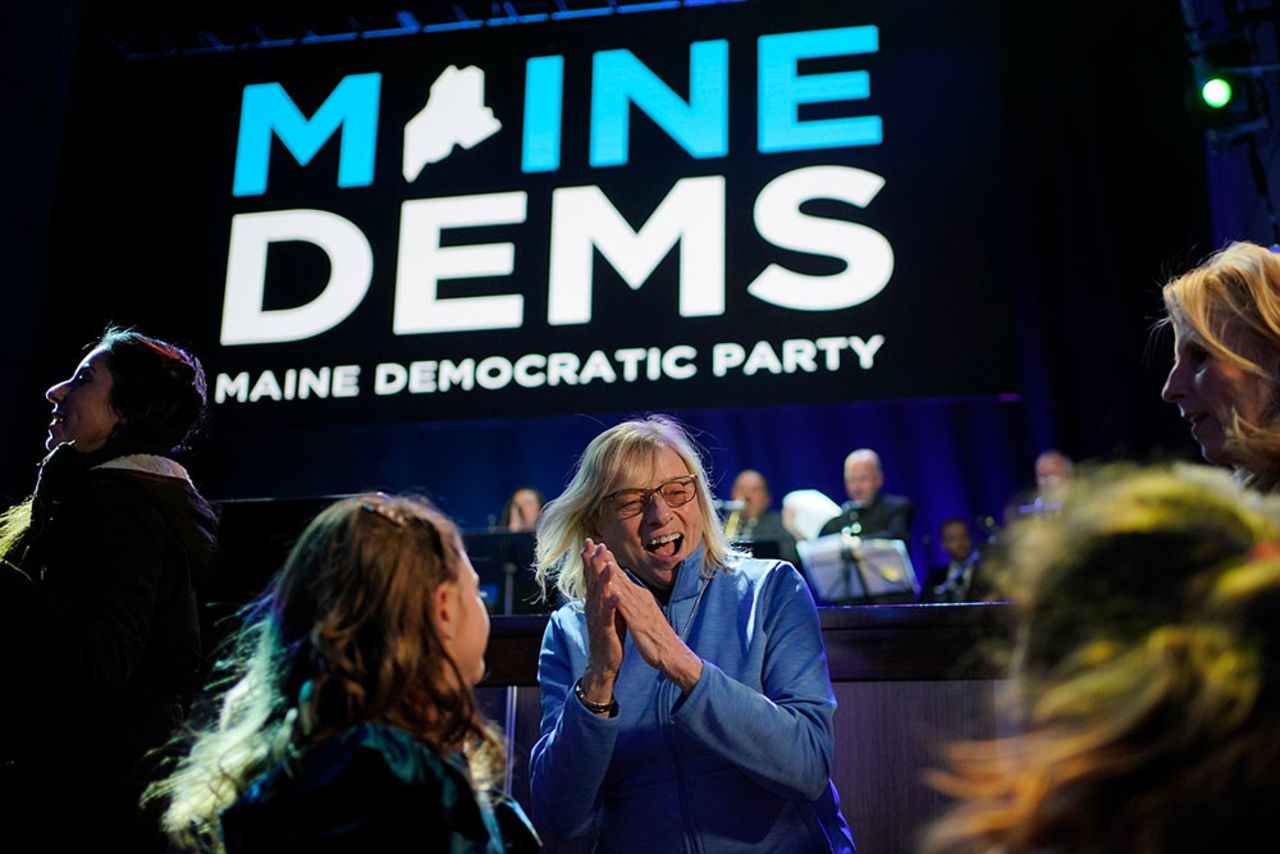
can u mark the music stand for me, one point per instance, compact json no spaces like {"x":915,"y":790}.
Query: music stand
{"x":842,"y":569}
{"x":504,"y":561}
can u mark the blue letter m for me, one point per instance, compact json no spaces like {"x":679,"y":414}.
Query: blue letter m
{"x":267,"y":108}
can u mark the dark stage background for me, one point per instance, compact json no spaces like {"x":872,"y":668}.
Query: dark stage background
{"x":1043,"y":176}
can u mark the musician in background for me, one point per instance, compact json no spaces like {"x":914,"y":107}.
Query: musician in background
{"x":753,"y":521}
{"x":958,"y":580}
{"x":1054,"y":473}
{"x":522,"y":510}
{"x":869,"y":512}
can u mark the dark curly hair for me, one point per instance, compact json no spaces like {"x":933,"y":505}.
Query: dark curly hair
{"x":158,"y":388}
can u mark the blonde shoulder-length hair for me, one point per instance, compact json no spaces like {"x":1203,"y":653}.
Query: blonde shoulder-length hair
{"x":1231,"y":303}
{"x":628,"y":450}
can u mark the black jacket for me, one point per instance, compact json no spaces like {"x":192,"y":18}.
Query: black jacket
{"x":887,"y":516}
{"x":372,"y":788}
{"x":99,"y":636}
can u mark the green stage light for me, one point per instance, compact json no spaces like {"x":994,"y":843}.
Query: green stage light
{"x":1216,"y":92}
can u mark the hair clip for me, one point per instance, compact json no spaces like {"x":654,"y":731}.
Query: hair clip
{"x":380,"y":507}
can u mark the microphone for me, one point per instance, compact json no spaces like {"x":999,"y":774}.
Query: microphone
{"x":853,"y":510}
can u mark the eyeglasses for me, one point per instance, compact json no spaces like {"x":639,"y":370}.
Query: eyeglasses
{"x":632,"y":502}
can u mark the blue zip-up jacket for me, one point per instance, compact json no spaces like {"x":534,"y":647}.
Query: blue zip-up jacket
{"x":742,"y":763}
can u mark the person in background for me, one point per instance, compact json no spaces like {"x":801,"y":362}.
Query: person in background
{"x":350,"y":723}
{"x":1054,"y":471}
{"x":1225,"y":316}
{"x":754,"y":521}
{"x":1146,"y":686}
{"x":869,"y":512}
{"x":521,"y":512}
{"x":958,"y":580}
{"x":686,"y":704}
{"x":99,"y":629}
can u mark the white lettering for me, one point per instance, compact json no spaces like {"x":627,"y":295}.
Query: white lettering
{"x":313,"y":382}
{"x":597,"y":367}
{"x":462,"y":374}
{"x":831,"y":348}
{"x":525,"y":370}
{"x":346,"y":381}
{"x":266,"y":386}
{"x":493,"y":373}
{"x":535,"y":370}
{"x":562,"y":368}
{"x":245,"y":321}
{"x":583,"y":220}
{"x":389,"y":378}
{"x":726,"y":356}
{"x":630,"y":358}
{"x":762,"y":358}
{"x":671,"y":362}
{"x":798,"y":355}
{"x":237,"y":387}
{"x":866,"y":350}
{"x":867,"y":254}
{"x":653,"y":366}
{"x":423,"y":263}
{"x":422,"y":377}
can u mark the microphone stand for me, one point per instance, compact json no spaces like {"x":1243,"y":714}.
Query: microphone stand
{"x":851,"y":534}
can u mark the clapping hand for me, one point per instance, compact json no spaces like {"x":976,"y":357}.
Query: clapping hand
{"x":606,"y":629}
{"x":615,"y":605}
{"x":654,"y":638}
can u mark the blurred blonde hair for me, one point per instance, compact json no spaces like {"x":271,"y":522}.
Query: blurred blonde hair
{"x":627,"y":450}
{"x":1238,"y":289}
{"x":343,"y":636}
{"x":1145,"y":673}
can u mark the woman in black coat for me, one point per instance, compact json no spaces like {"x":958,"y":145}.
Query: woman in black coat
{"x":99,"y":632}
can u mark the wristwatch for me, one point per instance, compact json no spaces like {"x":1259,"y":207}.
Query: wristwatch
{"x":609,"y":709}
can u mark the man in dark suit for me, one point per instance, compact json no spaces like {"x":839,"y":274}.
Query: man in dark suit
{"x":755,"y":522}
{"x":868,"y":512}
{"x":958,"y":580}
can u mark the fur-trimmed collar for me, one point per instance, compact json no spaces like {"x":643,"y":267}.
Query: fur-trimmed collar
{"x":148,"y":464}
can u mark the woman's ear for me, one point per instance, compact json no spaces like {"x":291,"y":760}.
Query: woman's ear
{"x":444,"y":610}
